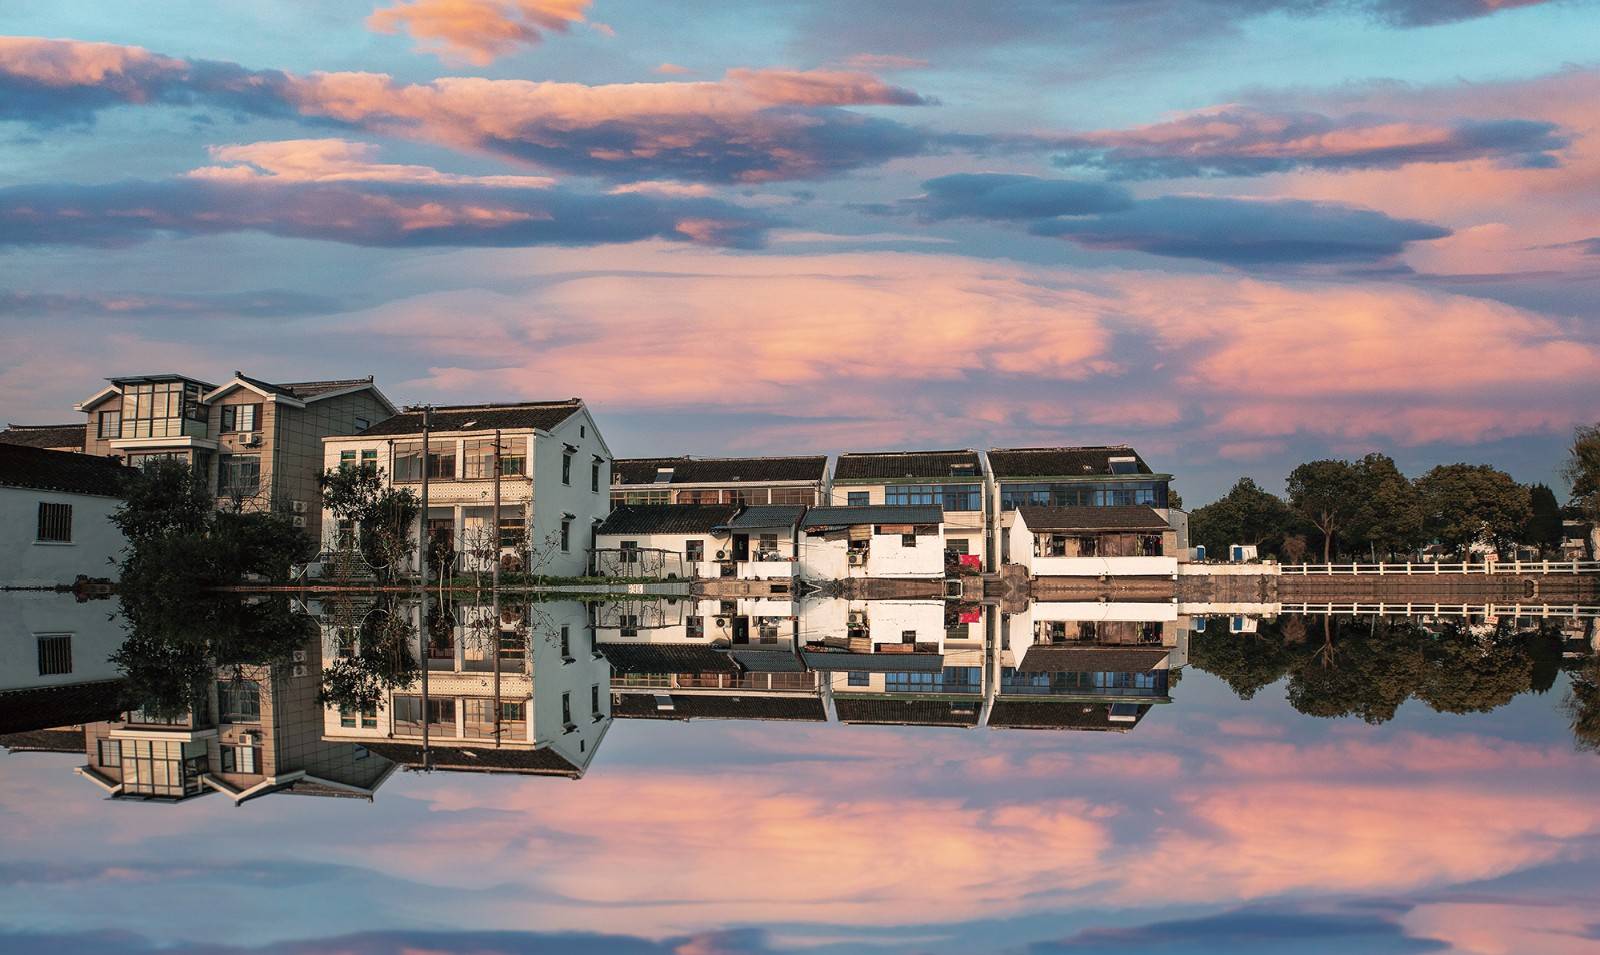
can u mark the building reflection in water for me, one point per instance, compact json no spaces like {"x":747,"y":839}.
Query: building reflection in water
{"x":532,"y":688}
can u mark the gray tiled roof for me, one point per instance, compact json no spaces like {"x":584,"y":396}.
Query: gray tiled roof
{"x":667,"y":518}
{"x":475,"y":759}
{"x":903,"y":712}
{"x":768,"y":515}
{"x":1060,"y":462}
{"x":1049,"y":659}
{"x":873,"y":514}
{"x":874,"y":662}
{"x":688,"y":470}
{"x":47,"y":707}
{"x":303,"y":389}
{"x":935,"y":466}
{"x":1045,"y":713}
{"x":687,"y":706}
{"x":45,"y":470}
{"x":542,"y":415}
{"x":44,"y":435}
{"x":1122,"y":517}
{"x":628,"y":658}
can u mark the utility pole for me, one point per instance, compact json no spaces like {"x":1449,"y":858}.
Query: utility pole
{"x":423,"y":543}
{"x":494,"y":628}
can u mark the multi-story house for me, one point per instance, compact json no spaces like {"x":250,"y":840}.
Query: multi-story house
{"x":525,"y":691}
{"x":554,"y":477}
{"x":687,"y":480}
{"x":705,"y":541}
{"x":257,"y":444}
{"x":255,"y":730}
{"x":879,"y":540}
{"x":952,"y":480}
{"x":1099,"y":476}
{"x":52,"y":437}
{"x":55,"y":516}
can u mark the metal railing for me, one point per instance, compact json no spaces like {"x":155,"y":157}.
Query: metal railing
{"x":1432,"y":568}
{"x":1420,"y":608}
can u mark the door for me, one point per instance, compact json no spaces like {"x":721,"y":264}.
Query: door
{"x":741,"y":629}
{"x":741,"y":547}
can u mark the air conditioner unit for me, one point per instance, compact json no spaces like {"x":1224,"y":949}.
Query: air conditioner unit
{"x":299,"y":507}
{"x":299,"y":656}
{"x":247,"y":739}
{"x":722,"y":555}
{"x":249,"y":439}
{"x":858,"y":618}
{"x":299,"y":670}
{"x":858,"y":558}
{"x":722,"y":621}
{"x":300,"y":520}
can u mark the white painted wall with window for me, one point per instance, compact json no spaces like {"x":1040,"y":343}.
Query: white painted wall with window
{"x":50,"y":537}
{"x":51,"y":639}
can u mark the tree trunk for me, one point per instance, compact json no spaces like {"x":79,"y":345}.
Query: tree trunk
{"x":1327,"y":544}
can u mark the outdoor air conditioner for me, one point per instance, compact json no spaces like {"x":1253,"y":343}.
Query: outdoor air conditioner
{"x":722,"y":555}
{"x":299,"y":670}
{"x":858,"y":558}
{"x":249,"y":439}
{"x":299,"y":656}
{"x":722,"y":621}
{"x":299,"y":507}
{"x":247,"y":739}
{"x":858,"y":618}
{"x":300,"y":520}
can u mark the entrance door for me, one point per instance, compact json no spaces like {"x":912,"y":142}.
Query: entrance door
{"x":741,"y":629}
{"x":741,"y":547}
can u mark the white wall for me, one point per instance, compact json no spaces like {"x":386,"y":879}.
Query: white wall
{"x":551,"y":498}
{"x":25,"y":562}
{"x":1095,"y":566}
{"x":95,"y":626}
{"x":887,"y":620}
{"x":887,"y":557}
{"x":673,"y":543}
{"x":963,"y":524}
{"x":553,"y":676}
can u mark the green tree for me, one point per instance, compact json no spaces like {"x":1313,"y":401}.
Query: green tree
{"x":375,"y":658}
{"x":384,"y":517}
{"x":1246,"y":662}
{"x":1389,"y":515}
{"x":164,"y":499}
{"x":1472,"y":672}
{"x":1464,"y":504}
{"x":1543,"y":529}
{"x":1582,"y":470}
{"x":1245,"y":515}
{"x":1327,"y":495}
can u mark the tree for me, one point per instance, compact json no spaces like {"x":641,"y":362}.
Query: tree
{"x":375,"y":658}
{"x":1389,"y":512}
{"x":1327,"y":495}
{"x":1543,"y":529}
{"x":382,"y":517}
{"x":1582,"y":705}
{"x":1466,"y":504}
{"x":163,"y":499}
{"x":1582,"y":470}
{"x":1245,"y":515}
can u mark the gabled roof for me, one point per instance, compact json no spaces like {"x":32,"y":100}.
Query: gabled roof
{"x":55,"y":740}
{"x":1049,"y":659}
{"x":1119,"y":518}
{"x":899,"y":465}
{"x":688,"y":470}
{"x":1044,"y":713}
{"x":299,"y":392}
{"x":474,"y":759}
{"x":873,"y":514}
{"x":1061,"y":462}
{"x":44,"y":470}
{"x":44,"y":435}
{"x":48,"y":707}
{"x":687,"y":706}
{"x":767,"y":515}
{"x":667,"y":518}
{"x":907,"y":712}
{"x":540,"y":415}
{"x":666,"y":658}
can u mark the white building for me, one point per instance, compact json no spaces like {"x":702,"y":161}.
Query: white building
{"x":883,"y":541}
{"x":665,"y":540}
{"x":952,"y":480}
{"x":55,"y":667}
{"x":552,"y":690}
{"x":1092,"y":541}
{"x":554,"y":477}
{"x":55,"y":516}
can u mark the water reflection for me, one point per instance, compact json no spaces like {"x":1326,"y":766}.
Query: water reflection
{"x":247,"y":697}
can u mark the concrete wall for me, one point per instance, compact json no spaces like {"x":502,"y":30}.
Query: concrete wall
{"x":27,"y":562}
{"x":95,"y":626}
{"x":552,"y":499}
{"x":962,"y":525}
{"x":674,"y":544}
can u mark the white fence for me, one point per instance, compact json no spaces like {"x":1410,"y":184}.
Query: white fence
{"x":1428,"y":609}
{"x":1430,"y":568}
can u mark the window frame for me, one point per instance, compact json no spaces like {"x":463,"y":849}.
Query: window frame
{"x":50,"y":650}
{"x":55,"y":518}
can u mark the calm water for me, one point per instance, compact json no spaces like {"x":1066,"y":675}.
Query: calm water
{"x":1320,"y":786}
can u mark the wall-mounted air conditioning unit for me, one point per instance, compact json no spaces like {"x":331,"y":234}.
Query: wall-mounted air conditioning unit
{"x":249,"y":439}
{"x":300,"y":520}
{"x":858,"y":558}
{"x":858,"y":618}
{"x":247,"y":739}
{"x":299,"y":507}
{"x":299,"y":670}
{"x":299,"y":656}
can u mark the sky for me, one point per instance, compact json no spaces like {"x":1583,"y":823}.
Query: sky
{"x":1216,"y":825}
{"x":1238,"y":234}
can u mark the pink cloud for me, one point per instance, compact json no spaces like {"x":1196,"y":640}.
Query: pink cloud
{"x":334,"y":160}
{"x":477,"y":31}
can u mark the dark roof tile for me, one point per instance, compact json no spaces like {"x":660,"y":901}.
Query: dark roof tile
{"x":474,"y":759}
{"x":45,"y":470}
{"x":626,"y":658}
{"x":686,"y":706}
{"x":48,"y":707}
{"x":1050,"y":659}
{"x":940,"y":466}
{"x":908,"y":712}
{"x":667,"y":518}
{"x":873,"y":514}
{"x":57,"y":436}
{"x":629,"y":472}
{"x":543,"y":415}
{"x":768,"y":515}
{"x":1119,"y":518}
{"x":1061,"y":462}
{"x":1043,"y":713}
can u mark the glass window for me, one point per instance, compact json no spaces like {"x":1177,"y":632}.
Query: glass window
{"x":694,"y":551}
{"x":241,"y":759}
{"x":408,"y":461}
{"x":110,"y":752}
{"x":239,"y":475}
{"x":238,"y":701}
{"x":477,"y":461}
{"x":55,"y":654}
{"x":110,"y":424}
{"x":347,"y":459}
{"x":240,"y":418}
{"x":566,"y":709}
{"x":566,"y":467}
{"x":363,"y":424}
{"x":794,"y":495}
{"x":594,"y":700}
{"x":566,"y":534}
{"x":908,"y":540}
{"x":55,"y":523}
{"x":951,"y":497}
{"x":594,"y":477}
{"x":858,"y":498}
{"x":854,"y":678}
{"x":566,"y":642}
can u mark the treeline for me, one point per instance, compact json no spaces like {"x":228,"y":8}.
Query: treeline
{"x":1368,"y":509}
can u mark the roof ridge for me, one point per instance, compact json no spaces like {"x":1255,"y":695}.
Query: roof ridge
{"x":13,"y":426}
{"x":493,"y":406}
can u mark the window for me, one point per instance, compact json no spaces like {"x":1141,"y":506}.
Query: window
{"x":594,"y":477}
{"x":566,"y":534}
{"x":240,"y":418}
{"x":951,"y":497}
{"x":858,"y":679}
{"x":160,"y":409}
{"x":512,"y":533}
{"x":110,"y":424}
{"x":477,"y":459}
{"x":110,"y":752}
{"x":160,"y":768}
{"x":908,"y":540}
{"x":239,"y":475}
{"x":238,"y":701}
{"x":957,"y":545}
{"x":694,"y":551}
{"x":908,"y":636}
{"x":566,"y":710}
{"x":367,"y":719}
{"x":347,"y":459}
{"x":566,"y":467}
{"x":241,"y":759}
{"x":363,"y":424}
{"x":793,"y":495}
{"x":594,"y":700}
{"x":408,"y":462}
{"x":694,"y":627}
{"x":148,"y":458}
{"x":55,"y":654}
{"x":566,"y":643}
{"x":55,"y":523}
{"x":858,"y":498}
{"x":640,"y":497}
{"x":480,"y":722}
{"x":408,"y":716}
{"x":630,"y":552}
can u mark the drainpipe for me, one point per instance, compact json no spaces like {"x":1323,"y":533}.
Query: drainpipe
{"x":422,"y":586}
